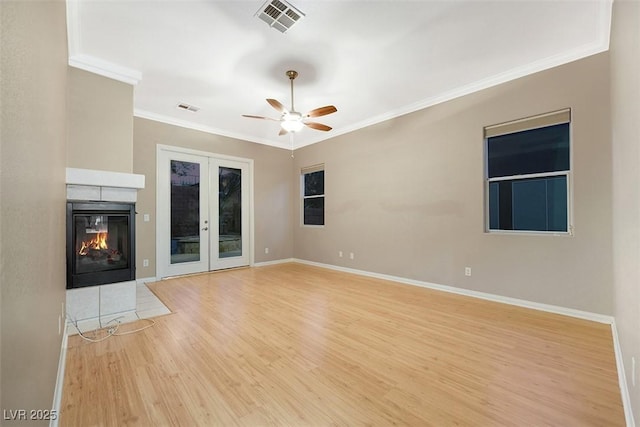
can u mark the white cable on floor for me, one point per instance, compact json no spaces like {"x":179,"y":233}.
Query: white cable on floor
{"x":112,"y":331}
{"x":153,"y":322}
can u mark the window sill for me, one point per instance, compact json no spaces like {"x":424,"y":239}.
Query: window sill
{"x":530,"y":233}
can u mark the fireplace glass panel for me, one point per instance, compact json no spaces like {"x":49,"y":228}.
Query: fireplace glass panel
{"x":101,"y":242}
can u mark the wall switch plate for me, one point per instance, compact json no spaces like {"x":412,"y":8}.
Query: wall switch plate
{"x":467,"y":271}
{"x":266,"y":250}
{"x":351,"y":255}
{"x":340,"y":254}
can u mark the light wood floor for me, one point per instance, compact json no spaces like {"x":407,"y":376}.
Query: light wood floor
{"x":303,"y":346}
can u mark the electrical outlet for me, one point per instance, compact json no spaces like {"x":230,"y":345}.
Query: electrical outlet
{"x":340,"y":254}
{"x":145,"y":263}
{"x":351,"y":255}
{"x":467,"y":271}
{"x":145,"y":217}
{"x":266,"y":250}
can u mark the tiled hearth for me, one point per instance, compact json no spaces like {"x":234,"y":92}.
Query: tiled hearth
{"x":94,"y":301}
{"x":147,"y":306}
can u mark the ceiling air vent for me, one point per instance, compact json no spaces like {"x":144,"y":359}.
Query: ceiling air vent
{"x":183,"y":106}
{"x":279,"y":14}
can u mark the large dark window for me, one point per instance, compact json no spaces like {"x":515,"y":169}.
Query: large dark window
{"x":528,"y":170}
{"x":313,"y":196}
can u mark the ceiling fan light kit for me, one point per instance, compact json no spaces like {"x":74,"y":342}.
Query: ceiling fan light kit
{"x":292,"y":121}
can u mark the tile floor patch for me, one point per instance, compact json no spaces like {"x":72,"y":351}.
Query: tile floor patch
{"x":147,"y":306}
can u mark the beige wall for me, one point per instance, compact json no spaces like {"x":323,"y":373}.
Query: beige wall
{"x":272,"y":187}
{"x":625,"y":108}
{"x":32,"y":204}
{"x":406,"y":196}
{"x":100,"y":122}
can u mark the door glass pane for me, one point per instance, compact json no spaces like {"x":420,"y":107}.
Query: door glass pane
{"x":185,"y":211}
{"x":230,"y":212}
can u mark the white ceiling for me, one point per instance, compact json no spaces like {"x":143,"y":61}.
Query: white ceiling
{"x":373,"y":60}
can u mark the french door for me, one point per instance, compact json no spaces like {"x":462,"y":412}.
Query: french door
{"x":203,"y":212}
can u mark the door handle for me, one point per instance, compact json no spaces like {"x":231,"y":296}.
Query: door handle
{"x":205,"y":229}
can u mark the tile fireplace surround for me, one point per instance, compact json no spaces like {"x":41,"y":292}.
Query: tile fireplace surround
{"x":89,"y":303}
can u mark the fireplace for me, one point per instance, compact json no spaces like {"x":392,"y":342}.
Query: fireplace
{"x":100,"y":243}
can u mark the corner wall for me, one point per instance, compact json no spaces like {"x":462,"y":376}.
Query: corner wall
{"x":32,"y":205}
{"x":406,"y":196}
{"x":625,"y":113}
{"x":100,"y":123}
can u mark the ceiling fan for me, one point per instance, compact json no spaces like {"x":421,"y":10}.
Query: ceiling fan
{"x":293,"y":121}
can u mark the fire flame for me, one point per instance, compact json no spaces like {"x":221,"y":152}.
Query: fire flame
{"x":97,"y":243}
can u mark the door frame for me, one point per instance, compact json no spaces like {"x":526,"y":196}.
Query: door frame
{"x":163,"y":215}
{"x":161,"y":272}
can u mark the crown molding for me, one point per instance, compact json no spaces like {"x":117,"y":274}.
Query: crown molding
{"x":143,"y":114}
{"x":73,"y":27}
{"x":106,"y":69}
{"x":90,"y":63}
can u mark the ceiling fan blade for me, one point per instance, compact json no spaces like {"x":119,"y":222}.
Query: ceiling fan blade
{"x":322,"y":111}
{"x":277,"y":105}
{"x":259,"y":117}
{"x":283,"y":132}
{"x":318,"y":126}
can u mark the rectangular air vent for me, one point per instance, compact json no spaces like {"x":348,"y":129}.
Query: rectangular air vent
{"x":184,"y":106}
{"x":279,"y":14}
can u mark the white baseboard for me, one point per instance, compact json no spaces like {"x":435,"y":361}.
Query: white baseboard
{"x":275,"y":262}
{"x":622,"y":378}
{"x":596,"y":317}
{"x":57,"y":393}
{"x":146,"y":280}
